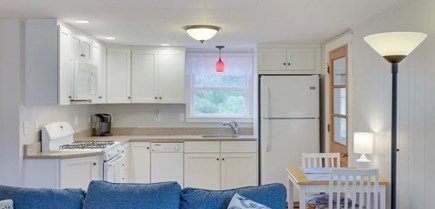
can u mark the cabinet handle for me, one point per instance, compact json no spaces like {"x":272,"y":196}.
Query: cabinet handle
{"x":284,"y":63}
{"x":289,"y":63}
{"x":155,"y":97}
{"x":123,"y":165}
{"x":217,"y":159}
{"x":94,"y":163}
{"x":223,"y":159}
{"x":160,"y":97}
{"x":129,"y":97}
{"x":82,"y":55}
{"x":69,"y":97}
{"x":148,"y":147}
{"x":100,"y":97}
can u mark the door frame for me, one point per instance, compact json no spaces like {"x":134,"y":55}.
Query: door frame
{"x":342,"y":40}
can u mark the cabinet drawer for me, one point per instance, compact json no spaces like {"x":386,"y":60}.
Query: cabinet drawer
{"x":238,"y":146}
{"x":201,"y":147}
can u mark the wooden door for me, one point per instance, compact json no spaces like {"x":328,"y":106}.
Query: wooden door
{"x":338,"y":120}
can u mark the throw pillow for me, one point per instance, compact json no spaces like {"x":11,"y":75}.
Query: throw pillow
{"x":6,"y":204}
{"x":272,"y":195}
{"x":106,"y":195}
{"x":240,"y":202}
{"x":40,"y":198}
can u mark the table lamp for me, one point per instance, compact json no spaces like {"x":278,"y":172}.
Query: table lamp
{"x":362,"y":144}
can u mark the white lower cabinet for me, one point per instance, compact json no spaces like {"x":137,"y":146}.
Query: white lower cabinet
{"x":202,"y":170}
{"x":238,"y":170}
{"x":140,"y":162}
{"x":62,"y":173}
{"x":127,"y":163}
{"x":220,"y":165}
{"x":78,"y":172}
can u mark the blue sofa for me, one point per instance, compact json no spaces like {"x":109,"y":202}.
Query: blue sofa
{"x":165,"y":195}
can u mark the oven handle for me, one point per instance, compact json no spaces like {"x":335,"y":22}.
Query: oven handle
{"x":115,"y":160}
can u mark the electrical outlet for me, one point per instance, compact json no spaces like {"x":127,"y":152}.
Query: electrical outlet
{"x":25,"y":127}
{"x":181,"y":117}
{"x":157,"y":116}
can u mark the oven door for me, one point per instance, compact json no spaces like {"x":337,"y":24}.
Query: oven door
{"x":113,"y":169}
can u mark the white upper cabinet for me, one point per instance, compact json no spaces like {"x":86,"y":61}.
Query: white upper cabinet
{"x":118,"y":75}
{"x":158,"y":75}
{"x":289,"y":59}
{"x":99,"y":60}
{"x":171,"y":75}
{"x":66,"y":65}
{"x":144,"y":64}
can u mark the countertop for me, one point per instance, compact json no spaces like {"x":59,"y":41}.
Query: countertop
{"x":33,"y":151}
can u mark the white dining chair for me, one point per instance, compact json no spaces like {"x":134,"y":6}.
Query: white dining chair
{"x":318,"y":160}
{"x":344,"y":192}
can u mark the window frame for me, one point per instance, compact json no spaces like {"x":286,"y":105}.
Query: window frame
{"x":190,"y":89}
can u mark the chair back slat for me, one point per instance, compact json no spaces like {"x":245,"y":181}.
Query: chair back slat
{"x":343,"y":188}
{"x":317,"y":160}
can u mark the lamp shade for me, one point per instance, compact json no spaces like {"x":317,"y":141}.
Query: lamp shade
{"x":201,"y":32}
{"x":395,"y":43}
{"x":363,"y":143}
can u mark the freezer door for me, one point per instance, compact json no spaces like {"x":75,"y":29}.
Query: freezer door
{"x":282,"y":143}
{"x":289,"y":96}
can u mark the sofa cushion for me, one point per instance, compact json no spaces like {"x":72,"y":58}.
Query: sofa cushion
{"x":240,"y":202}
{"x":25,"y":198}
{"x":272,"y":195}
{"x":106,"y":195}
{"x":7,"y":204}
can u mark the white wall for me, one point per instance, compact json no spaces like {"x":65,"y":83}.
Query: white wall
{"x":143,"y":115}
{"x":10,"y":92}
{"x":416,"y":102}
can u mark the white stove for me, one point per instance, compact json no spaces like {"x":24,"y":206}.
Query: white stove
{"x":58,"y":136}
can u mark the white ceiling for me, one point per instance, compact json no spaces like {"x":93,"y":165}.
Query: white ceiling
{"x":245,"y":22}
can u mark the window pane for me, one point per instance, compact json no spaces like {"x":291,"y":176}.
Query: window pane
{"x":340,"y":133}
{"x":219,"y":102}
{"x":339,"y":71}
{"x":220,"y":81}
{"x":340,"y":101}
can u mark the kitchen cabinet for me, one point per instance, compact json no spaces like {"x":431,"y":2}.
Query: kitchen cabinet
{"x":118,"y":75}
{"x":140,"y":162}
{"x":158,"y":75}
{"x":53,"y":51}
{"x":99,"y":60}
{"x":126,"y":171}
{"x":62,"y":173}
{"x":220,"y":165}
{"x":289,"y":59}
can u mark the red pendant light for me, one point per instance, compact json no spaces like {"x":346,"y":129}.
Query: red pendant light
{"x":219,"y":64}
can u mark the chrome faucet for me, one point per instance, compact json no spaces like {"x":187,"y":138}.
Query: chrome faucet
{"x":233,"y":125}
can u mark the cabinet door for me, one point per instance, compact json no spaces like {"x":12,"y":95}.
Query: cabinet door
{"x":118,"y":75}
{"x":85,"y":49}
{"x":301,"y":59}
{"x":127,"y":163}
{"x":238,"y":170}
{"x":78,"y":172}
{"x":66,"y":65}
{"x":143,"y":85}
{"x":171,"y":75}
{"x":202,"y":171}
{"x":272,"y":59}
{"x":140,"y":162}
{"x":99,"y":60}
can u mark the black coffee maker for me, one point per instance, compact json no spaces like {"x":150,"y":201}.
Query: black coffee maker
{"x":102,"y":124}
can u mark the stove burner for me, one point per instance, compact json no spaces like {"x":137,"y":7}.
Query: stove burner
{"x":87,"y":145}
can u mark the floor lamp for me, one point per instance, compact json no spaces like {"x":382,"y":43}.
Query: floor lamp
{"x":394,"y":47}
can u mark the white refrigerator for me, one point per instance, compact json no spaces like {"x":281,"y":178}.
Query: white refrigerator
{"x":289,"y":124}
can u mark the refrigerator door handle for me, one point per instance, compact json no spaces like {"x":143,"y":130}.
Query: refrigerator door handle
{"x":267,"y":121}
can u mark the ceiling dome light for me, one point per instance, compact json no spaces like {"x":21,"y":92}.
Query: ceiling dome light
{"x":201,"y":32}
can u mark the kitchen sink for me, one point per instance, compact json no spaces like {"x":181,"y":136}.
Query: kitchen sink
{"x":220,"y":136}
